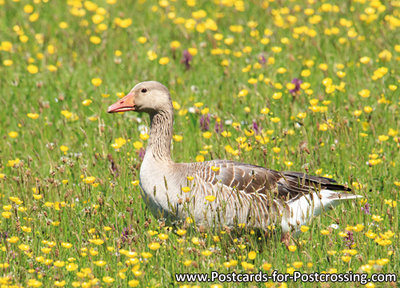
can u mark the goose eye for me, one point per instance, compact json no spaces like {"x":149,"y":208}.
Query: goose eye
{"x":144,"y":90}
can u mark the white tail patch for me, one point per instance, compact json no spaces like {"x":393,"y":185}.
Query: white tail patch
{"x":310,"y":205}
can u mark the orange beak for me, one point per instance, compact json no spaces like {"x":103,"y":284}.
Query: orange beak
{"x":125,"y":104}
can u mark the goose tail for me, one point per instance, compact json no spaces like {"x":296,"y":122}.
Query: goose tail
{"x":302,"y":209}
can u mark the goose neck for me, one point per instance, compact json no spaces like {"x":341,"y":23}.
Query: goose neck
{"x":161,"y":128}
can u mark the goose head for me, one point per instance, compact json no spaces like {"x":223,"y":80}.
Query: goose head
{"x":150,"y":97}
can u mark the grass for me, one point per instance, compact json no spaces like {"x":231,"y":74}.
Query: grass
{"x":72,"y":213}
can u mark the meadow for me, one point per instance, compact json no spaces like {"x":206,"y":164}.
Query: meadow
{"x":308,"y":86}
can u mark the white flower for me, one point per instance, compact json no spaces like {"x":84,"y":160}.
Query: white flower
{"x":334,"y":226}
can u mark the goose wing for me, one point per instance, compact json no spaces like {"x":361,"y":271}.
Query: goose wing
{"x":246,"y":178}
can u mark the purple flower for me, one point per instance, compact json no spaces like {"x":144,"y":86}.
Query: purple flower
{"x":205,"y":122}
{"x":297,"y":83}
{"x":349,"y":239}
{"x":366,"y":209}
{"x":186,"y":59}
{"x":125,"y":233}
{"x":141,"y":153}
{"x":255,"y":127}
{"x":261,"y":59}
{"x":219,"y":127}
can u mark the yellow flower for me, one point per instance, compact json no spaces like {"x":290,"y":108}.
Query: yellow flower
{"x":210,"y":198}
{"x":6,"y":214}
{"x":71,"y":267}
{"x":302,"y":115}
{"x":297,"y":264}
{"x":185,"y":189}
{"x":86,"y":102}
{"x":66,"y":245}
{"x":243,"y":93}
{"x":163,"y":60}
{"x":142,"y":39}
{"x":364,"y":93}
{"x":175,"y":44}
{"x":277,"y":95}
{"x":377,"y":218}
{"x":26,"y":229}
{"x":37,"y":196}
{"x":59,"y":263}
{"x":64,"y":148}
{"x":7,"y":62}
{"x":266,"y":266}
{"x":23,"y":247}
{"x":252,"y":255}
{"x":95,"y":40}
{"x":96,"y":82}
{"x":206,"y":253}
{"x":195,"y":241}
{"x":199,"y":158}
{"x":133,"y":283}
{"x":33,"y":115}
{"x":323,"y":127}
{"x":292,"y":248}
{"x":154,"y":246}
{"x":325,"y":232}
{"x":304,"y":228}
{"x":89,"y":180}
{"x":288,"y":163}
{"x":215,"y":168}
{"x":181,"y":232}
{"x":108,"y":279}
{"x":96,"y":241}
{"x":63,"y":25}
{"x":13,"y":134}
{"x":365,"y":60}
{"x":146,"y":255}
{"x":59,"y":283}
{"x":137,"y":145}
{"x":34,"y":283}
{"x":177,"y":138}
{"x":346,"y":258}
{"x":383,"y":138}
{"x":151,"y":55}
{"x":32,"y":69}
{"x":163,"y":236}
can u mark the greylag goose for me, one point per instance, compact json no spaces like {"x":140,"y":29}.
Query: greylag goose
{"x":220,"y":193}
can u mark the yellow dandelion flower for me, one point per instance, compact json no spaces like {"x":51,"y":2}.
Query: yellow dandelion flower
{"x":154,"y":246}
{"x":163,"y":61}
{"x":13,"y":134}
{"x":252,"y":255}
{"x":108,"y":279}
{"x":6,"y":214}
{"x":200,"y":158}
{"x":71,"y":267}
{"x":96,"y":82}
{"x":133,"y":283}
{"x":177,"y":138}
{"x":304,"y":228}
{"x":95,"y":40}
{"x":297,"y":264}
{"x":210,"y":198}
{"x":66,"y":245}
{"x":346,"y":258}
{"x":364,"y":93}
{"x":32,"y":69}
